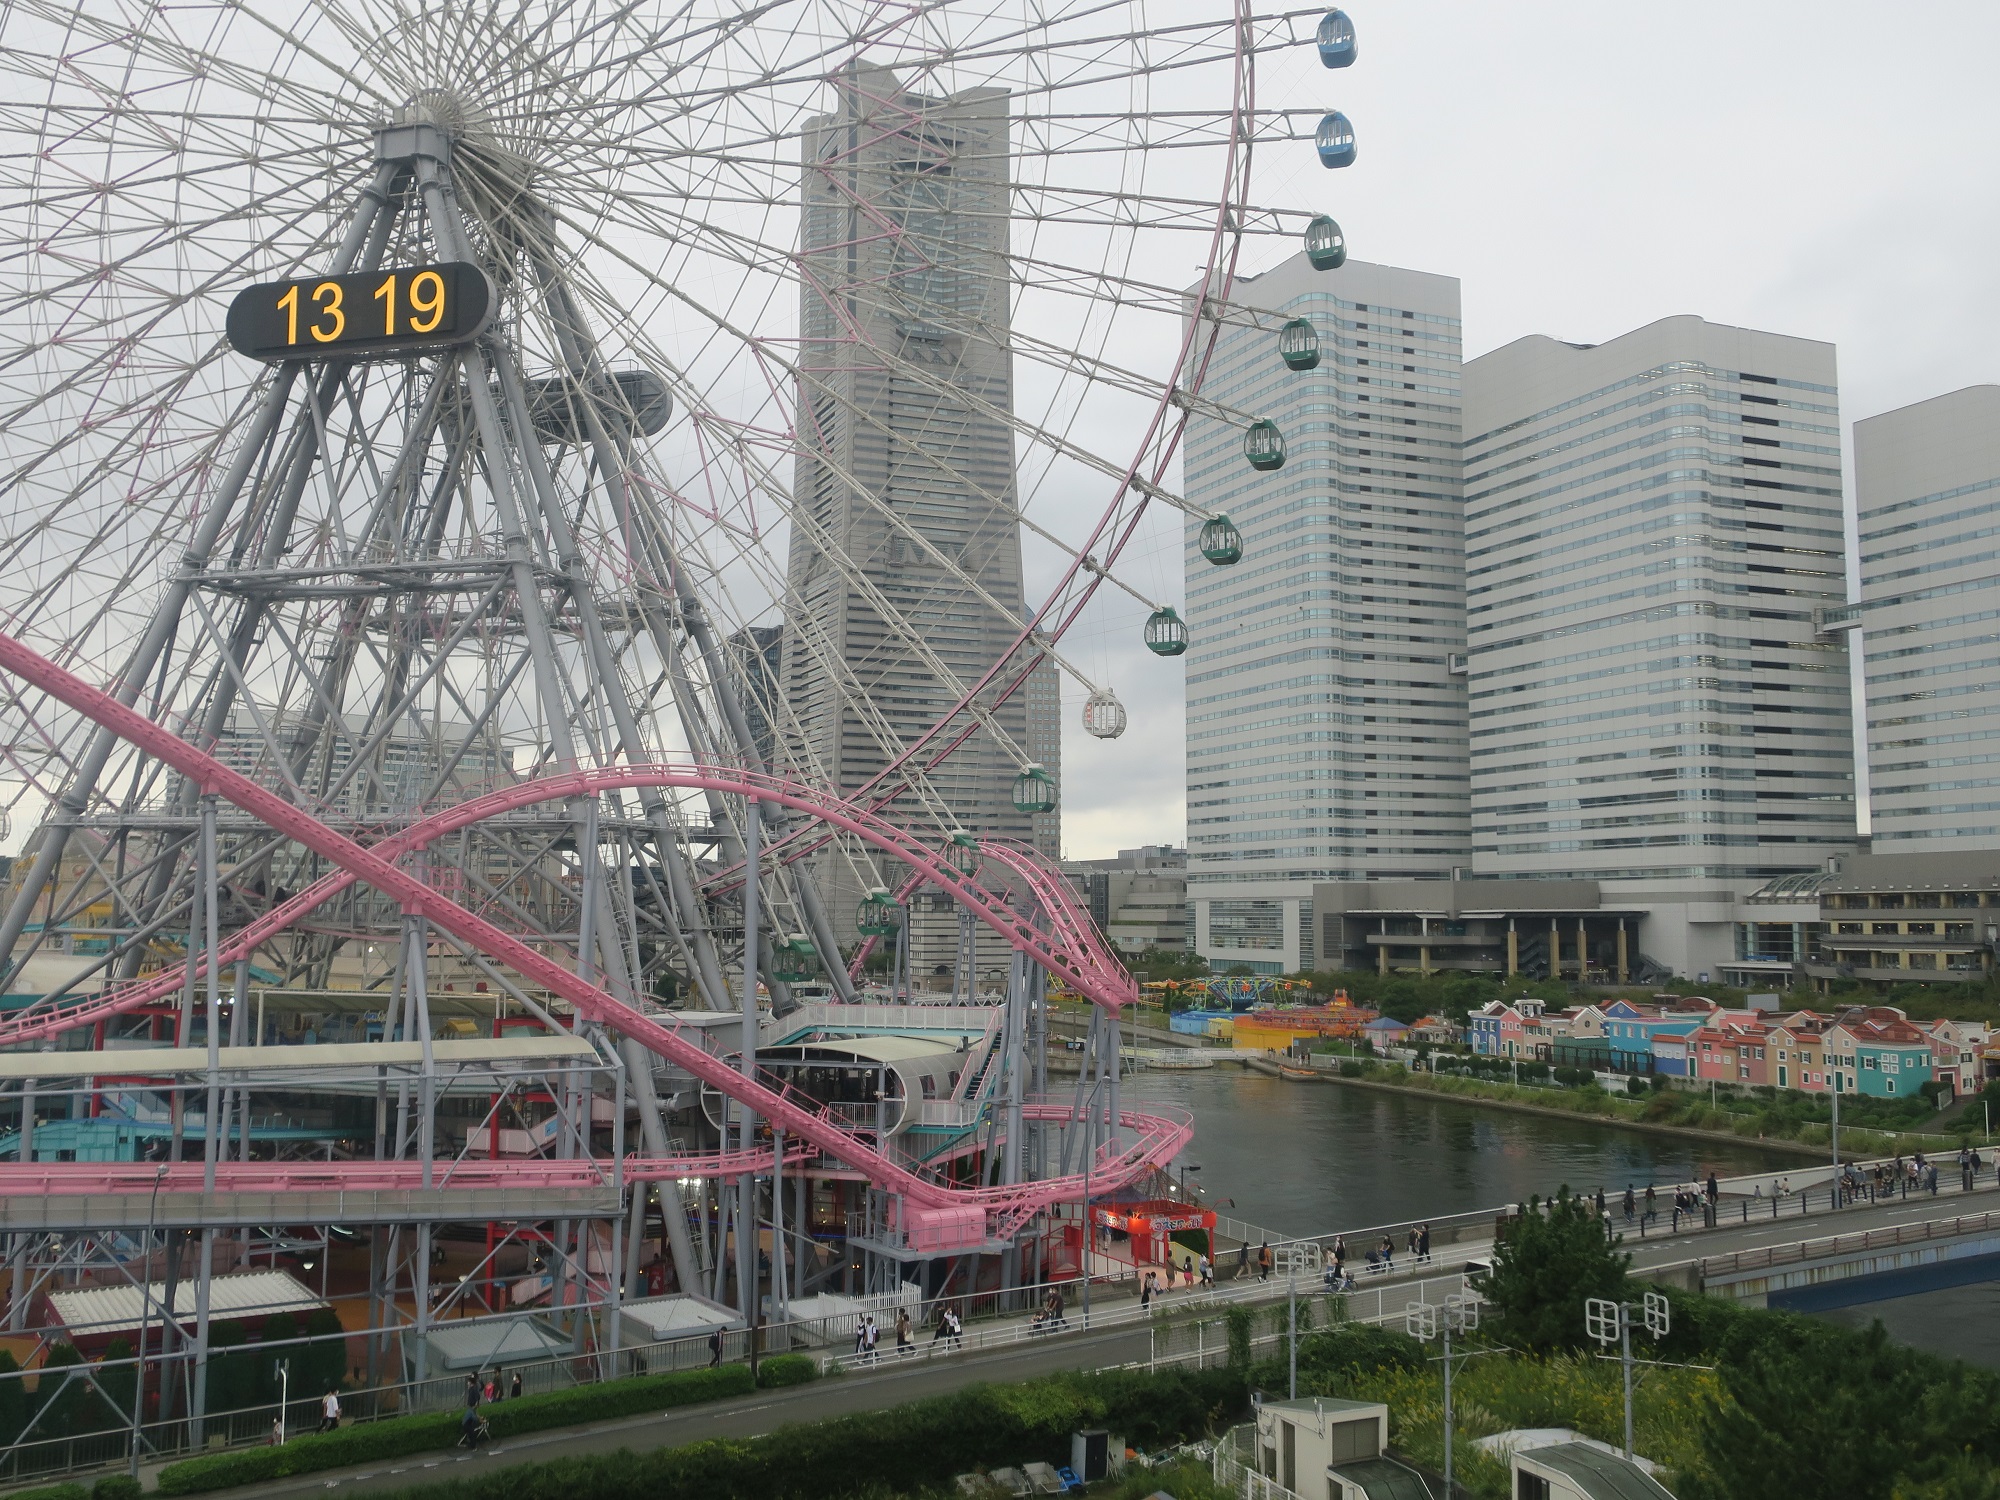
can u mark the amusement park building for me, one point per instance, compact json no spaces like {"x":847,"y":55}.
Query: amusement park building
{"x":1325,"y":696}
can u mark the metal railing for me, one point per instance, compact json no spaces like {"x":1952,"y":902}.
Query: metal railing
{"x":1196,"y":1339}
{"x":1234,"y":1467}
{"x":1888,"y":1237}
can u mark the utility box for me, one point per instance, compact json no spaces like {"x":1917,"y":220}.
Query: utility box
{"x":1090,"y":1454}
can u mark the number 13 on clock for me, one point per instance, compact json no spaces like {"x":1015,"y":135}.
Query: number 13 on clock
{"x":370,"y":315}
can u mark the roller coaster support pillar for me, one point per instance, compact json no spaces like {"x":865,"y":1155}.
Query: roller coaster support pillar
{"x":17,"y":1309}
{"x":214,"y":1131}
{"x":1013,"y":1030}
{"x":746,"y":1185}
{"x":204,"y":1275}
{"x":422,"y":1363}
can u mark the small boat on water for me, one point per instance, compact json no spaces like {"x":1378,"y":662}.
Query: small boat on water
{"x":1183,"y":1060}
{"x":1293,"y":1070}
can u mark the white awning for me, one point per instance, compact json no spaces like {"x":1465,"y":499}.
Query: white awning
{"x":105,"y":1311}
{"x":487,"y":1345}
{"x":680,"y":1316}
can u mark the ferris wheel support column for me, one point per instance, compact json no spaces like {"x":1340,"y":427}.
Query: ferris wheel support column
{"x":746,"y":1185}
{"x":704,"y":963}
{"x":580,"y":355}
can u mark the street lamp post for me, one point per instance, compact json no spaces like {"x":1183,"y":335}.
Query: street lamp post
{"x":145,"y":1319}
{"x":1611,"y":1323}
{"x":1295,"y":1256}
{"x":1427,"y":1321}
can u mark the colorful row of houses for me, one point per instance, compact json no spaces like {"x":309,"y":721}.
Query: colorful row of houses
{"x":1873,"y":1050}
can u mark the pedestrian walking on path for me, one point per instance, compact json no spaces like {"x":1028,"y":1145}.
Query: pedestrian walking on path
{"x":1264,"y":1261}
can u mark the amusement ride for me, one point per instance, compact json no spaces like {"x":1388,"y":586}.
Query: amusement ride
{"x":410,"y":424}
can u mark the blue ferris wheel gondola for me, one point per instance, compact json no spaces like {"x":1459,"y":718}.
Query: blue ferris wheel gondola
{"x":1335,"y":139}
{"x":1336,"y":40}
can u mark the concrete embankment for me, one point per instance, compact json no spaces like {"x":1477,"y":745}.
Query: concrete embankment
{"x":1645,"y":1127}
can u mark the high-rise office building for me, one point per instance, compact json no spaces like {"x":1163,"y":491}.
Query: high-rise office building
{"x":905,"y":468}
{"x":1927,"y":489}
{"x":1653,"y":538}
{"x":1326,"y":735}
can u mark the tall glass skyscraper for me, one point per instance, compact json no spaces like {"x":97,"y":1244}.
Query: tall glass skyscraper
{"x":1653,"y":543}
{"x":905,"y":466}
{"x":1325,"y":695}
{"x":1927,"y":485}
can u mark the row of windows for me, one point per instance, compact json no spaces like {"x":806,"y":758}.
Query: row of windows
{"x":1658,"y":372}
{"x":1876,"y":512}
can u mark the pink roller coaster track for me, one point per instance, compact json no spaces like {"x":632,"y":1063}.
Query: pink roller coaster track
{"x":1155,"y":1139}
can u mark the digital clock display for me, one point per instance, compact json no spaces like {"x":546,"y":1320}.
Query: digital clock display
{"x":372,"y":315}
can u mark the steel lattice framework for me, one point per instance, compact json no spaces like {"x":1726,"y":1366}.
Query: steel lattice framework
{"x":344,"y":676}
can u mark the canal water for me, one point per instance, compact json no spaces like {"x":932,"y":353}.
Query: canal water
{"x":1309,"y":1157}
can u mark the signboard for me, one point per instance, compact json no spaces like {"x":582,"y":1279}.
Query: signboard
{"x":372,"y":315}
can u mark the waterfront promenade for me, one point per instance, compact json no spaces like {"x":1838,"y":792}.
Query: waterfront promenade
{"x":1180,"y":1327}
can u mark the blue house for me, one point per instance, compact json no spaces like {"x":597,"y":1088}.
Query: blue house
{"x":1630,"y":1029}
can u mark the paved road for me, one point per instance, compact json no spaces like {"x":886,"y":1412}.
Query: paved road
{"x":742,"y":1417}
{"x":894,"y":1383}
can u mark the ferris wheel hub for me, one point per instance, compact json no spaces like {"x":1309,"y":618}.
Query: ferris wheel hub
{"x":458,"y":117}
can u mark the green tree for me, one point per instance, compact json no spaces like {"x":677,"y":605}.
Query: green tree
{"x":322,"y":1366}
{"x":67,"y":1404}
{"x":117,"y":1383}
{"x":1238,"y":1321}
{"x":231,"y":1371}
{"x":13,"y":1398}
{"x":1803,"y":1415}
{"x":1967,"y":1478}
{"x":1553,"y":1258}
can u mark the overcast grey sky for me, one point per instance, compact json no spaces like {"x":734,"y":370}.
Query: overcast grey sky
{"x":1822,"y":170}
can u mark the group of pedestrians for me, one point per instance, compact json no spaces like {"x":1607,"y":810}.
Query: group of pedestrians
{"x":1195,"y":1269}
{"x":472,"y":1427}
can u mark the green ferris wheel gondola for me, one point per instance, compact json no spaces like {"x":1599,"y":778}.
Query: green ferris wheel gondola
{"x":1220,"y":542}
{"x":795,"y":960}
{"x":878,"y":914}
{"x":1166,"y":633}
{"x":1298,"y":345}
{"x":1326,"y":246}
{"x":1034,"y":790}
{"x":1264,"y":445}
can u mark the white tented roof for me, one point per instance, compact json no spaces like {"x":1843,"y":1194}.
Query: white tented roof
{"x":481,"y":1346}
{"x":678,"y":1316}
{"x":107,"y":1310}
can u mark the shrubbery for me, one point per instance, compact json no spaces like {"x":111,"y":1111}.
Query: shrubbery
{"x":52,"y":1492}
{"x":786,"y":1369}
{"x":913,"y":1448}
{"x":394,"y":1437}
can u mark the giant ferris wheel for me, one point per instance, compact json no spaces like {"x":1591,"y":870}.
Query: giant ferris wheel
{"x":413,"y":418}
